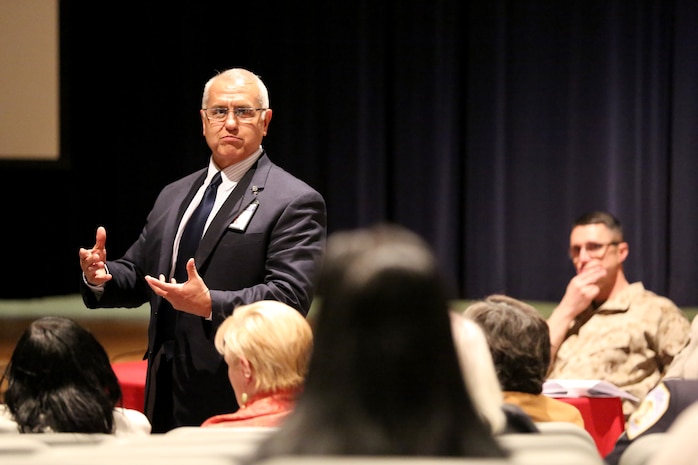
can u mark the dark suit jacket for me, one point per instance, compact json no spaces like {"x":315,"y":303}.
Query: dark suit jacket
{"x":276,"y":257}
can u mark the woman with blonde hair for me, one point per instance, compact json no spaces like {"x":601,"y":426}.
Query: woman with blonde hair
{"x":267,"y":346}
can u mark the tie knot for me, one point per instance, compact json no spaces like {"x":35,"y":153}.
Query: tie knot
{"x":215,"y":182}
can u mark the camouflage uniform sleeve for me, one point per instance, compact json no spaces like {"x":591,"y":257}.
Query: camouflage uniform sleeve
{"x":672,"y":335}
{"x":685,"y":364}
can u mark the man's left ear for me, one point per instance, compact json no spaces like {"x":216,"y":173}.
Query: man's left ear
{"x":267,"y":119}
{"x":623,"y":251}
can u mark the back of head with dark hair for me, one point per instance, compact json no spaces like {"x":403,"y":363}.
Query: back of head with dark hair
{"x":59,"y":379}
{"x":384,"y":377}
{"x":519,"y":341}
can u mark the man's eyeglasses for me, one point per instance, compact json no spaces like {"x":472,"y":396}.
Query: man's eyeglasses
{"x":219,"y":114}
{"x":594,"y":249}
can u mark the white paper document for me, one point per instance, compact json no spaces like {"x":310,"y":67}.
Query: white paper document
{"x":584,"y":388}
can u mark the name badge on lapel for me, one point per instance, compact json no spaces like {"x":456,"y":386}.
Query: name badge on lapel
{"x":243,"y":219}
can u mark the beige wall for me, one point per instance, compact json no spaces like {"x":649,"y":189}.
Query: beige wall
{"x":29,"y":77}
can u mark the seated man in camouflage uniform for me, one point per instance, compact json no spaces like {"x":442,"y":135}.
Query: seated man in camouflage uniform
{"x":606,"y":328}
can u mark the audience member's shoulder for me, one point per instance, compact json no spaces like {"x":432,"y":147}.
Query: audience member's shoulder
{"x":679,"y":446}
{"x":567,"y":412}
{"x":130,"y":422}
{"x":660,"y":407}
{"x":680,"y":385}
{"x":651,"y":409}
{"x":518,"y":421}
{"x":7,"y":423}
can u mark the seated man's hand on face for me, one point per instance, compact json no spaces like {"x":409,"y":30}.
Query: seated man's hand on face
{"x":583,"y":288}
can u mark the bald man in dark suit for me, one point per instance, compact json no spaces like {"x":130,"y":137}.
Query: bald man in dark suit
{"x":263,"y":240}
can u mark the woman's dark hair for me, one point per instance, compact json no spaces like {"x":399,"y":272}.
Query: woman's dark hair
{"x":384,"y":377}
{"x":60,"y":379}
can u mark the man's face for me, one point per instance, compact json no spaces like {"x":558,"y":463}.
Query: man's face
{"x":233,"y":139}
{"x":595,"y":245}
